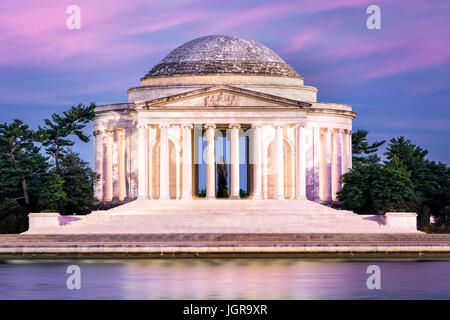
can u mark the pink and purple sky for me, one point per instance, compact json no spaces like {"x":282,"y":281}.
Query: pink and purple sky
{"x":396,"y":78}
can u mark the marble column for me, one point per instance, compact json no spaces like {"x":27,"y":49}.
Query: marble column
{"x":234,"y":161}
{"x":344,"y":151}
{"x":301,"y":163}
{"x":257,"y":161}
{"x":142,"y":162}
{"x":187,"y":162}
{"x":164,"y":162}
{"x":334,"y":164}
{"x":121,"y":164}
{"x":98,"y":163}
{"x":279,"y":165}
{"x":108,"y":192}
{"x":265,"y":163}
{"x":350,"y":151}
{"x":341,"y":153}
{"x":326,"y":165}
{"x":210,"y":161}
{"x":317,"y":163}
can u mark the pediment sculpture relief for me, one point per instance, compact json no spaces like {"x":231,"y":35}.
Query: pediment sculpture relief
{"x":222,"y":99}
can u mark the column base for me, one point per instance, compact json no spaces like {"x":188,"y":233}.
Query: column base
{"x":235,"y":197}
{"x":301,"y":198}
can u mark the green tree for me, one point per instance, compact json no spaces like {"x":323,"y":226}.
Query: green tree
{"x":10,"y":181}
{"x":78,"y":183}
{"x":366,"y":169}
{"x":13,"y":217}
{"x":18,"y":139}
{"x":356,"y":193}
{"x":394,"y":189}
{"x":411,"y":156}
{"x":52,"y":197}
{"x":435,"y":189}
{"x":405,"y":181}
{"x":55,"y":134}
{"x":361,"y":147}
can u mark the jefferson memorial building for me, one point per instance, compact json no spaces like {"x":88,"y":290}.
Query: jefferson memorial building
{"x":222,"y":136}
{"x":222,"y":101}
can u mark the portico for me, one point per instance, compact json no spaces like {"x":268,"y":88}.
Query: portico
{"x":170,"y":149}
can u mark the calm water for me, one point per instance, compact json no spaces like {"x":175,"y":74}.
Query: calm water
{"x":225,"y":279}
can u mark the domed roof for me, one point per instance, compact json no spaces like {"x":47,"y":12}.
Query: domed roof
{"x":219,"y":54}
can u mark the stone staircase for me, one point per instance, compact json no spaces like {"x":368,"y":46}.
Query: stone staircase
{"x":224,"y":238}
{"x":218,"y":216}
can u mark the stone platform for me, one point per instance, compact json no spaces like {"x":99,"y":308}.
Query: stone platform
{"x":221,"y":217}
{"x":349,"y":245}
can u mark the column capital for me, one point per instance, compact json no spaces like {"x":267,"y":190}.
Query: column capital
{"x":300,"y":125}
{"x":256,"y":125}
{"x":187,"y":126}
{"x":234,"y":126}
{"x":335,"y":130}
{"x":98,"y":132}
{"x":164,"y":126}
{"x":141,"y":126}
{"x":278,"y":125}
{"x":209,"y":125}
{"x":347,"y":131}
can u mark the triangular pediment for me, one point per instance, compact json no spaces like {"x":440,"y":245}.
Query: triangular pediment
{"x":221,"y":97}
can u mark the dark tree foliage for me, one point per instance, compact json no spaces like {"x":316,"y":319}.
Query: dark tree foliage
{"x":10,"y":181}
{"x":435,"y":190}
{"x":394,"y":189}
{"x":356,"y":194}
{"x":411,"y":156}
{"x":17,"y":139}
{"x":78,"y":184}
{"x":361,"y":147}
{"x":13,"y":217}
{"x":52,"y":197}
{"x":29,"y":183}
{"x":405,"y":181}
{"x":54,"y":135}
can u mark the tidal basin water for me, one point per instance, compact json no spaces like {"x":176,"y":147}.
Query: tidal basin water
{"x":225,"y":279}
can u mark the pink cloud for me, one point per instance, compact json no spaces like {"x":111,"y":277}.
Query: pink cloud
{"x":302,"y":40}
{"x":427,"y":124}
{"x":260,"y":15}
{"x":36,"y":34}
{"x":167,"y":22}
{"x":403,"y":45}
{"x":254,"y":16}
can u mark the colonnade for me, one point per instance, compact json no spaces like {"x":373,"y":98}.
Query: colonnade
{"x":331,"y":147}
{"x":109,"y":164}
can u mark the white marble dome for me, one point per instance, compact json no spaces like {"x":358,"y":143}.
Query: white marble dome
{"x":221,"y":54}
